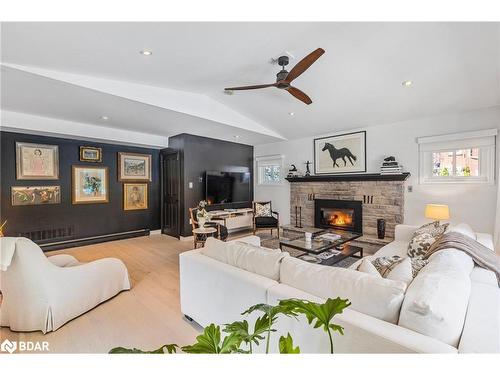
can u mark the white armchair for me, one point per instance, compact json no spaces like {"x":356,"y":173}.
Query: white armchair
{"x":41,"y":293}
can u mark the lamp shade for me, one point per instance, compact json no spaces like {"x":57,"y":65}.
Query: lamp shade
{"x":437,"y":211}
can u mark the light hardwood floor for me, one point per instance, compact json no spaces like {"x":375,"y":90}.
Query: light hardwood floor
{"x":145,"y":317}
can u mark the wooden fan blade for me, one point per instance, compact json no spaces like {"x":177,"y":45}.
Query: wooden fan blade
{"x":299,"y":95}
{"x":250,"y":87}
{"x":304,"y":64}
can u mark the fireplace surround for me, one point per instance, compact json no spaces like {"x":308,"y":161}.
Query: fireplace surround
{"x":338,"y":214}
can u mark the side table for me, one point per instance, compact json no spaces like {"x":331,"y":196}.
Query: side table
{"x":200,"y":235}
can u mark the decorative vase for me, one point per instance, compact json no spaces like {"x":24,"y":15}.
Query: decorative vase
{"x":201,"y":221}
{"x":381,"y":228}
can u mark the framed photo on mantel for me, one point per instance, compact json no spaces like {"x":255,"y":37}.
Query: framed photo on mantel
{"x":344,"y":153}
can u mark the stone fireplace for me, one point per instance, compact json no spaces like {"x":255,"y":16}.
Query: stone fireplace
{"x":379,"y":197}
{"x":338,"y":214}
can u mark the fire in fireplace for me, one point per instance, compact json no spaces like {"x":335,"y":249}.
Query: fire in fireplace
{"x":338,"y":214}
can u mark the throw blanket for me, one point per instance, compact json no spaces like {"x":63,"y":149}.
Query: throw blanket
{"x":479,"y":253}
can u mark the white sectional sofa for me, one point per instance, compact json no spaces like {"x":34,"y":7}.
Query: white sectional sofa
{"x":451,"y":306}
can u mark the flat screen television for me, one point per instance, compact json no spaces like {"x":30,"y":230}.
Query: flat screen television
{"x":227,"y":187}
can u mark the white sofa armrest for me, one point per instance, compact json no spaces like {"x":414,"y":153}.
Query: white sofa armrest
{"x":404,"y":232}
{"x":485,"y":239}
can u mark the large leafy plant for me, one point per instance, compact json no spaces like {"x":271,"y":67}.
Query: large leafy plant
{"x":211,"y":340}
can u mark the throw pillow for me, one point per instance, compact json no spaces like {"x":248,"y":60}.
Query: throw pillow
{"x":424,"y":237}
{"x":367,"y":267}
{"x":384,"y":265}
{"x":417,"y":264}
{"x":263,"y":209}
{"x":402,"y":271}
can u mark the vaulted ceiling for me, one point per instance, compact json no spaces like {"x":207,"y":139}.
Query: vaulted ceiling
{"x":82,"y":71}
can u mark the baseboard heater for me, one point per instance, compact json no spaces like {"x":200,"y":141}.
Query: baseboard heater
{"x":94,"y":239}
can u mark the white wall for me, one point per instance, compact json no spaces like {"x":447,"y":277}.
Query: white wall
{"x":475,"y":204}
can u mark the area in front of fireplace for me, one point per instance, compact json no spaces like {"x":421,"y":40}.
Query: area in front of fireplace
{"x":338,"y":214}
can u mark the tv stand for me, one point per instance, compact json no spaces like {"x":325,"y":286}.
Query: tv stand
{"x":234,"y":219}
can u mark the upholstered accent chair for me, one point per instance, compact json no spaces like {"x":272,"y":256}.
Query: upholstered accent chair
{"x":222,"y":232}
{"x":43,"y":293}
{"x":265,"y":218}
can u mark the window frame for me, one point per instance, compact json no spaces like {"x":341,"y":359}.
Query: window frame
{"x":484,"y":140}
{"x":269,"y":160}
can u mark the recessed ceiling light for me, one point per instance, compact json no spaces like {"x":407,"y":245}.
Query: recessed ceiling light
{"x":291,"y":113}
{"x":407,"y":83}
{"x":104,"y":118}
{"x":236,"y":136}
{"x":146,"y":52}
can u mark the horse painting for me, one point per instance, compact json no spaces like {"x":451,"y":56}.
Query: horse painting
{"x":339,"y":153}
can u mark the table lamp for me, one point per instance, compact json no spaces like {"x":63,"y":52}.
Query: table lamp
{"x":437,"y":212}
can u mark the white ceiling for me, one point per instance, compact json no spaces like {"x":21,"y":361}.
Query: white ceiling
{"x":356,"y":83}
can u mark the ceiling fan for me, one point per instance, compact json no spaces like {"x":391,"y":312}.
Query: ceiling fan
{"x":284,"y":79}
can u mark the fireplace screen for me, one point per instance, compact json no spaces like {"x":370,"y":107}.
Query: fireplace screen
{"x":339,"y":218}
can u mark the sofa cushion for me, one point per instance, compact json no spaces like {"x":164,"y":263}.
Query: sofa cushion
{"x":436,"y":301}
{"x":367,"y":266}
{"x":259,"y":260}
{"x":402,"y":271}
{"x":372,"y":295}
{"x":266,"y":221}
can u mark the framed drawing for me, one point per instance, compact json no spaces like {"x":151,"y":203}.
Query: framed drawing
{"x":135,"y":196}
{"x":344,"y":153}
{"x":90,"y":184}
{"x":35,"y":195}
{"x":134,"y":167}
{"x":91,"y":154}
{"x":37,"y":161}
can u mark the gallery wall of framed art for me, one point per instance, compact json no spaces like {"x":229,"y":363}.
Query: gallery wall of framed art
{"x":72,"y":183}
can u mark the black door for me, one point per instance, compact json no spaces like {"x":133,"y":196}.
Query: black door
{"x":170,"y":181}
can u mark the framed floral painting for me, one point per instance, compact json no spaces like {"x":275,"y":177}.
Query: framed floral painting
{"x":135,"y":196}
{"x":90,"y":184}
{"x":37,"y":161}
{"x":134,"y":167}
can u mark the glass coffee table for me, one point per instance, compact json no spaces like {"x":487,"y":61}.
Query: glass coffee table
{"x":325,"y":251}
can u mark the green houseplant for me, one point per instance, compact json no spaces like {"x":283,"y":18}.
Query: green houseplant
{"x":211,"y":341}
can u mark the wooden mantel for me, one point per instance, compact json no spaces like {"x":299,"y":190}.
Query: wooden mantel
{"x":351,"y":177}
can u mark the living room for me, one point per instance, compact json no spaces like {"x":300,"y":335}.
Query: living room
{"x":294,"y":187}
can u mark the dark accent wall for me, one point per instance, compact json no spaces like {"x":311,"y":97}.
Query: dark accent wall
{"x":84,"y":220}
{"x":202,"y":154}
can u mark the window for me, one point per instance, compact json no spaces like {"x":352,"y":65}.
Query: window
{"x":458,"y":158}
{"x":269,"y":170}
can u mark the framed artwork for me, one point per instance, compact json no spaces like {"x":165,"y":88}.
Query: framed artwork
{"x":37,"y":161}
{"x":91,"y":154}
{"x":90,"y":184}
{"x":135,"y":196}
{"x":344,"y":153}
{"x":35,"y":195}
{"x":134,"y":167}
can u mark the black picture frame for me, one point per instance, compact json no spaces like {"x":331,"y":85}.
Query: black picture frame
{"x":361,"y":169}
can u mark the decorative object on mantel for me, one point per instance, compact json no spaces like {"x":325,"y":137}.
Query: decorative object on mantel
{"x":381,"y":228}
{"x":437,"y":212}
{"x":391,"y":166}
{"x":308,"y":171}
{"x":292,"y":172}
{"x":351,"y":177}
{"x":344,"y":153}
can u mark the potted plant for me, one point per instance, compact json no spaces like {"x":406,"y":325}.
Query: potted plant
{"x":202,"y":214}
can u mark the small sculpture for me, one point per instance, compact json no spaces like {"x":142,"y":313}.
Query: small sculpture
{"x":308,"y":171}
{"x":390,"y":158}
{"x":292,"y":172}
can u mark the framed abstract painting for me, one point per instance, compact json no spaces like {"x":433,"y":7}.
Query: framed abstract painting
{"x":134,"y":167}
{"x":344,"y":153}
{"x":37,"y":161}
{"x":90,"y":184}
